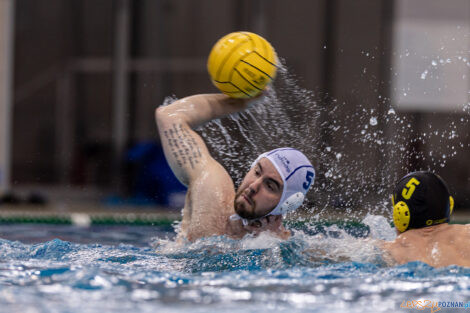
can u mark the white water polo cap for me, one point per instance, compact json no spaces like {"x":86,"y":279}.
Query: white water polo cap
{"x":297,"y":175}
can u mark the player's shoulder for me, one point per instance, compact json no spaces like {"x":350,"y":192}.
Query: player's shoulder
{"x":213,"y":177}
{"x":459,"y":227}
{"x":453,"y":231}
{"x":219,"y":174}
{"x":407,"y":239}
{"x":464,"y":229}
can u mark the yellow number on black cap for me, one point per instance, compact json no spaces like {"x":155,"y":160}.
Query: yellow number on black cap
{"x":401,"y":216}
{"x":411,"y":184}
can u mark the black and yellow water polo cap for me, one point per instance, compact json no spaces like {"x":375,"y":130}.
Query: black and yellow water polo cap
{"x":421,"y":199}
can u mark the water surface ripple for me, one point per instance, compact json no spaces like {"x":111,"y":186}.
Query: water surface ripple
{"x":311,"y":272}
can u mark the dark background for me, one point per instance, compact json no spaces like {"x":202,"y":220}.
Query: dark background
{"x":68,"y":81}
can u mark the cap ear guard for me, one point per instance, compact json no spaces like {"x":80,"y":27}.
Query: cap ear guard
{"x":401,"y":216}
{"x":451,"y":205}
{"x":291,"y":204}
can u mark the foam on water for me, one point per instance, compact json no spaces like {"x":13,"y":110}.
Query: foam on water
{"x":314,"y":271}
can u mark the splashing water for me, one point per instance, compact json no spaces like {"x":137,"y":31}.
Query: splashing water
{"x":320,"y":268}
{"x":359,"y":152}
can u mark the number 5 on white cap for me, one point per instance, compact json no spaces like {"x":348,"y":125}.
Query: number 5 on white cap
{"x":309,"y":180}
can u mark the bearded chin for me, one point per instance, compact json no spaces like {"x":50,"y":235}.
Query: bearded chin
{"x":240,"y":208}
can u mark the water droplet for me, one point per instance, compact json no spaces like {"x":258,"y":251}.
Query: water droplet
{"x":391,"y":111}
{"x":423,"y":75}
{"x":373,"y":121}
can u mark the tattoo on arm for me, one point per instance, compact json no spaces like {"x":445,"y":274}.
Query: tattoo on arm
{"x":183,"y":146}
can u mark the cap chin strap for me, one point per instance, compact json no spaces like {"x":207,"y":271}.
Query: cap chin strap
{"x":235,"y":217}
{"x":291,"y":204}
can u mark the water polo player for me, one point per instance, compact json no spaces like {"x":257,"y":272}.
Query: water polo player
{"x":422,"y":207}
{"x":275,"y":184}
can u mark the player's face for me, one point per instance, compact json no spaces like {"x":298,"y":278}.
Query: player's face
{"x":260,"y":191}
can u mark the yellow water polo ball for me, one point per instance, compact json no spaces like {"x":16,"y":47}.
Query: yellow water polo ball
{"x":241,"y":64}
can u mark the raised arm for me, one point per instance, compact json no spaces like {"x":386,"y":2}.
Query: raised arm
{"x":184,"y":149}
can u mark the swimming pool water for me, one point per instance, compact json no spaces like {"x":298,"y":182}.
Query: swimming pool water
{"x":141,"y":269}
